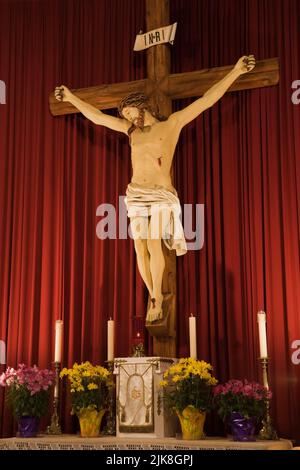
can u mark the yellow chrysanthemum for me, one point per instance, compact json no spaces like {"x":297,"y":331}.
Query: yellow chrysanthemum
{"x":92,"y":386}
{"x":84,"y":380}
{"x":163,"y":383}
{"x":176,"y":378}
{"x":184,"y":381}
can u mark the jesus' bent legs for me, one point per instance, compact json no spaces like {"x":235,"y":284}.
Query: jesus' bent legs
{"x":147,"y":234}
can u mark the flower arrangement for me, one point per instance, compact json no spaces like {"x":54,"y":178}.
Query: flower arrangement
{"x":247,"y":398}
{"x":89,"y":386}
{"x":28,"y":390}
{"x":188,"y":383}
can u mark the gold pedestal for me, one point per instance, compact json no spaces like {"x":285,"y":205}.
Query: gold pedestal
{"x":110,"y":428}
{"x":267,"y":432}
{"x":54,"y":428}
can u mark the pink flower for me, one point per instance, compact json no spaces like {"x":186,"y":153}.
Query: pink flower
{"x":248,"y":398}
{"x":27,"y":389}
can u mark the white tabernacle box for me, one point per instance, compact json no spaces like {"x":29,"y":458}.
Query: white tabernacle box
{"x":140,"y":410}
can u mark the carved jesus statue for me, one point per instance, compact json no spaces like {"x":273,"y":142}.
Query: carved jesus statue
{"x":151,"y":199}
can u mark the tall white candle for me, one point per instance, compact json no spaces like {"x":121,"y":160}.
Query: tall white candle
{"x":193,"y":341}
{"x":261,"y":318}
{"x":58,"y":340}
{"x":2,"y":352}
{"x":110,"y":339}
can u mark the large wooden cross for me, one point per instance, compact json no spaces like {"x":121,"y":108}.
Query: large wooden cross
{"x":162,"y":89}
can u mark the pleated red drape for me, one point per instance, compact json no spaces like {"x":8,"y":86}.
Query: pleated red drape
{"x":240,"y":159}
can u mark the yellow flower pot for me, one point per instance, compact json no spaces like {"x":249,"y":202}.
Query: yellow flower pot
{"x":90,"y":422}
{"x":192,"y":422}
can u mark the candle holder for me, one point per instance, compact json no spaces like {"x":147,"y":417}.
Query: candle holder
{"x":137,"y":340}
{"x":110,"y":428}
{"x":267,"y":431}
{"x":54,"y":427}
{"x":138,"y":350}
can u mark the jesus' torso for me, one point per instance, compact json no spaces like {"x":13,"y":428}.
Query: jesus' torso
{"x":152,"y":152}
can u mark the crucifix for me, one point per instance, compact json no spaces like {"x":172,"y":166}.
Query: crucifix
{"x":162,"y":87}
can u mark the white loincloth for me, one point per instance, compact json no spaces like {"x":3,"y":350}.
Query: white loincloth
{"x":150,"y":202}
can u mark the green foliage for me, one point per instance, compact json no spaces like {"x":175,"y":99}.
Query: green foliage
{"x":93,"y":399}
{"x":23,"y":403}
{"x":28,"y":389}
{"x":88,"y":385}
{"x":247,"y":398}
{"x":189,"y":383}
{"x":193,"y":391}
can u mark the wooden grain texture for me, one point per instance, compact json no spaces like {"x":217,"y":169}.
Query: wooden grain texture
{"x":158,"y":68}
{"x":175,"y":86}
{"x":189,"y":84}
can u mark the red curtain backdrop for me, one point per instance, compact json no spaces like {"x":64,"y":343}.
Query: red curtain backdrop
{"x":240,"y":159}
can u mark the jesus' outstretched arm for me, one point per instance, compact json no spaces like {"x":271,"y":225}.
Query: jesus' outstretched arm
{"x":62,"y":93}
{"x":244,"y":64}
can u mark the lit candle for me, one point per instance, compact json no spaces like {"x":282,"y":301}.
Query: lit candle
{"x":58,"y":340}
{"x":193,"y":342}
{"x":136,"y":340}
{"x":261,"y":318}
{"x":110,"y":339}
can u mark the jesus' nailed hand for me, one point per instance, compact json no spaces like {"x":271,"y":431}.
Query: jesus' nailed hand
{"x":151,"y":199}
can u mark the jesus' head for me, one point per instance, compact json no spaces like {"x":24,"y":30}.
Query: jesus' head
{"x":133,"y":107}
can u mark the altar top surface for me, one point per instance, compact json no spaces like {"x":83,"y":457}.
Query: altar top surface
{"x":145,"y":359}
{"x":75,"y":442}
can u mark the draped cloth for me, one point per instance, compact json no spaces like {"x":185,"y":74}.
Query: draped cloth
{"x":160,"y":204}
{"x":240,"y":158}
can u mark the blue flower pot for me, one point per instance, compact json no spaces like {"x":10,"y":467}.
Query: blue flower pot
{"x":28,"y":426}
{"x":243,"y":429}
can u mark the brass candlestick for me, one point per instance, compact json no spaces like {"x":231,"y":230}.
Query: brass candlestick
{"x":54,"y":427}
{"x":267,"y":432}
{"x":110,"y":428}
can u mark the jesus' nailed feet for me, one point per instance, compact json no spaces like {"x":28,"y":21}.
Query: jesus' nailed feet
{"x":155,"y":310}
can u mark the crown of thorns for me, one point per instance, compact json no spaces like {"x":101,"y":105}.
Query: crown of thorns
{"x":136,"y":100}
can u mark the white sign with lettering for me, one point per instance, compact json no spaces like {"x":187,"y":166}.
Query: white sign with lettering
{"x":155,"y":37}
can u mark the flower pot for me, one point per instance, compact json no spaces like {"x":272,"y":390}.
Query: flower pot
{"x":192,"y":422}
{"x":28,"y":426}
{"x":90,"y":422}
{"x":243,"y":429}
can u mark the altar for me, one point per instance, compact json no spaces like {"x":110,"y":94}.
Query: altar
{"x":140,"y":410}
